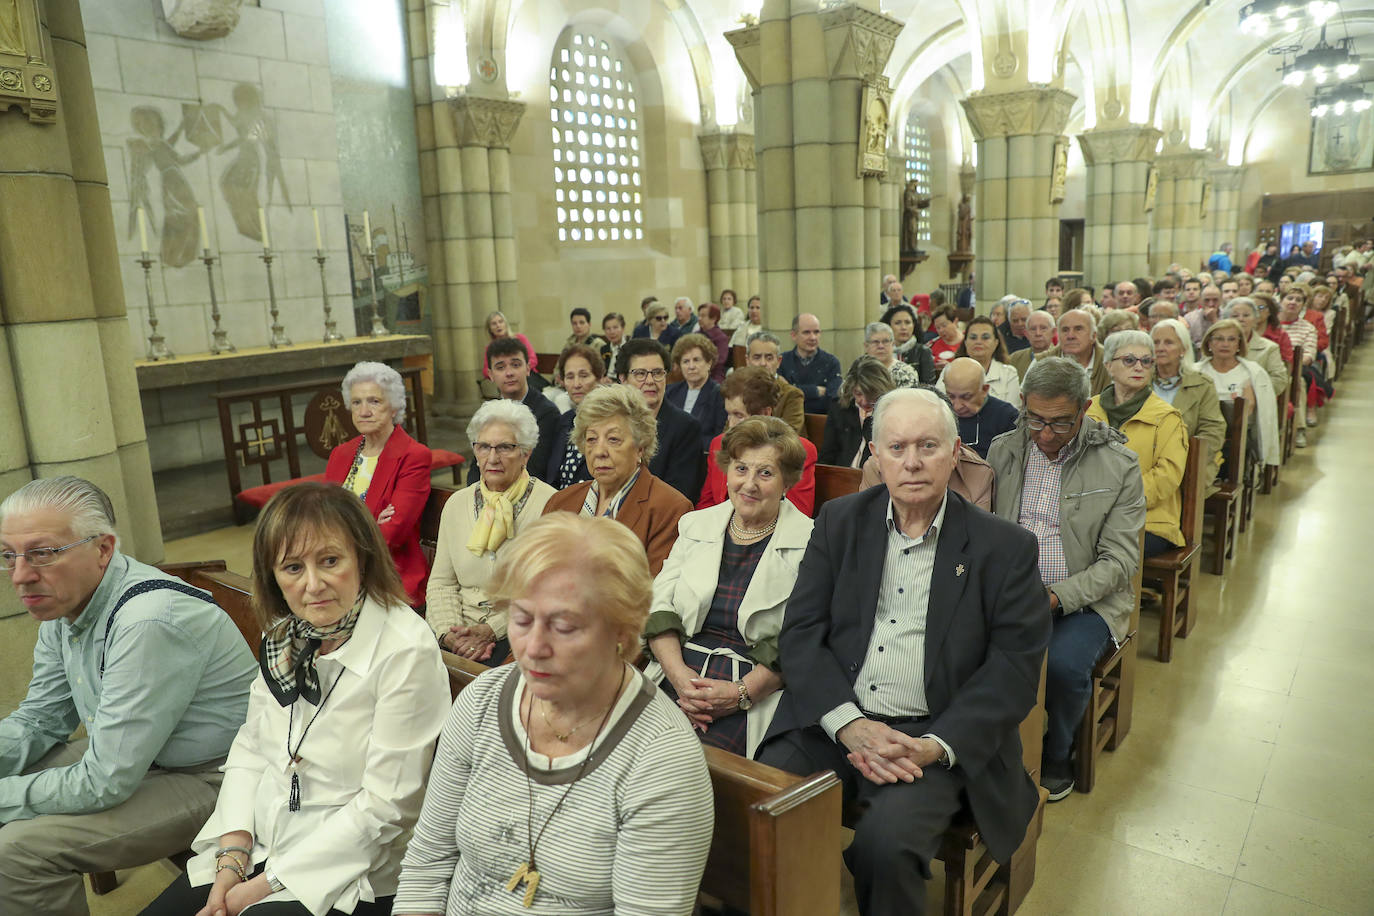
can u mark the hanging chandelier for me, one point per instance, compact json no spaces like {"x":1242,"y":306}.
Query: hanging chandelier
{"x":1323,"y":63}
{"x":1259,"y":17}
{"x":1339,"y":100}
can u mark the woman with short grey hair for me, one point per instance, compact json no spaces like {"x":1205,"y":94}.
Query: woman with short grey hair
{"x":476,"y":525}
{"x":385,"y":468}
{"x":880,"y":343}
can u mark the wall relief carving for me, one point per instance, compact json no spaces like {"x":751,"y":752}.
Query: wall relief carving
{"x":26,"y":77}
{"x":201,"y":19}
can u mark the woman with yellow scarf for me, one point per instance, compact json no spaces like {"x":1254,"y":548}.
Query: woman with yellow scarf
{"x":476,"y":523}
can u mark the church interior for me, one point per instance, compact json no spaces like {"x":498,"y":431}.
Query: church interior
{"x":209,"y":206}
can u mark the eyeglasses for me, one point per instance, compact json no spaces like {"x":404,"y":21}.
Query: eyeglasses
{"x":1130,"y":362}
{"x":659,"y":318}
{"x":1058,"y":426}
{"x":39,"y":556}
{"x":502,"y":449}
{"x":640,"y":375}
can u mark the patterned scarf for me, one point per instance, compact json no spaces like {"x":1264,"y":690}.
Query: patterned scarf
{"x":288,"y":654}
{"x":496,"y":515}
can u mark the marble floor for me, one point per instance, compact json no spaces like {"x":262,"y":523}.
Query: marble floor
{"x":1245,"y":785}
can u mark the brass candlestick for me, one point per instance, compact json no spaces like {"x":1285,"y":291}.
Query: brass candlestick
{"x":219,"y":338}
{"x":378,"y":325}
{"x":157,"y":344}
{"x":279,"y":338}
{"x":331,"y":334}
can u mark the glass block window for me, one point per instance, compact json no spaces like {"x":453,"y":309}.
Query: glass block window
{"x":597,"y":141}
{"x":918,"y":169}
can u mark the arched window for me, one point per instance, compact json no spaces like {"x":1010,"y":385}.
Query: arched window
{"x":597,"y":141}
{"x":918,"y":169}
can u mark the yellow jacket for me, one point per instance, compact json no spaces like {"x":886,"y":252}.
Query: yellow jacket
{"x":1159,"y":439}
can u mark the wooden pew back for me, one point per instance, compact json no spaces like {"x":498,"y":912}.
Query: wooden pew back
{"x":815,"y":428}
{"x":429,"y":521}
{"x":833,"y":481}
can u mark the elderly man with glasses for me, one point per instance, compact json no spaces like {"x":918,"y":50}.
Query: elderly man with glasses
{"x":1072,"y":481}
{"x":154,"y":671}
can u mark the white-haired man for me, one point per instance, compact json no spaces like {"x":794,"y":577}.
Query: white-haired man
{"x":921,"y":625}
{"x":154,"y":671}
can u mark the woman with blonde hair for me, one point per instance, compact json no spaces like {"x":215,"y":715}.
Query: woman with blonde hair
{"x":567,"y":782}
{"x":497,"y":328}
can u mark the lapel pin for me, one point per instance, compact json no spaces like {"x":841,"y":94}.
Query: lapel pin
{"x":959,"y":570}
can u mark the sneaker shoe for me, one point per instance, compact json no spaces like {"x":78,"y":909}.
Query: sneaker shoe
{"x":1311,"y":418}
{"x":1057,"y":779}
{"x":1302,"y":438}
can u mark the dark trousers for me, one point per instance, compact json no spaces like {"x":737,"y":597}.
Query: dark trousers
{"x":181,"y":899}
{"x":900,"y":826}
{"x":1155,"y":545}
{"x":1076,"y":644}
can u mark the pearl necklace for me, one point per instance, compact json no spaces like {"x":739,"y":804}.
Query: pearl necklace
{"x":741,"y":533}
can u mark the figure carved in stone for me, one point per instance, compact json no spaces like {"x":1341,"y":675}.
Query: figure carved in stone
{"x":963,"y":234}
{"x":150,"y":150}
{"x":912,"y":205}
{"x":257,"y":158}
{"x":11,"y":35}
{"x":876,"y":141}
{"x":1059,"y":178}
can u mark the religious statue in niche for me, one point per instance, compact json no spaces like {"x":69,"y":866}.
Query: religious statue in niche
{"x":963,"y":232}
{"x":1151,"y":188}
{"x":873,"y":123}
{"x":11,"y":34}
{"x":257,"y":158}
{"x":147,"y":150}
{"x":912,"y":205}
{"x":1206,"y":203}
{"x":1060,"y":176}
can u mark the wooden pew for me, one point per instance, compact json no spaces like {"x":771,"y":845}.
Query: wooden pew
{"x":1107,"y":719}
{"x":775,"y":846}
{"x":739,"y":356}
{"x":833,"y":481}
{"x":1224,"y":506}
{"x":429,"y":521}
{"x":1172,"y":571}
{"x":815,"y":428}
{"x":1296,"y":389}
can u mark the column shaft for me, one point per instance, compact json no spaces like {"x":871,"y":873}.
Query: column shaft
{"x":1116,"y":237}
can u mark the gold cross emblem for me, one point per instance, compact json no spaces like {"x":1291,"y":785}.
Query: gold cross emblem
{"x":959,"y":570}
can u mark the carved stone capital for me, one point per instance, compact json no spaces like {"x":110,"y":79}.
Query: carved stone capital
{"x":1192,"y":164}
{"x":485,"y":122}
{"x":748,"y":52}
{"x":727,"y":151}
{"x":1040,"y":110}
{"x":1227,"y":177}
{"x":27,"y":81}
{"x":202,"y":19}
{"x":858,"y":41}
{"x":1124,"y":144}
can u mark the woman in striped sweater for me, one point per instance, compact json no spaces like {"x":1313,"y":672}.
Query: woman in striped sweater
{"x":566,"y":783}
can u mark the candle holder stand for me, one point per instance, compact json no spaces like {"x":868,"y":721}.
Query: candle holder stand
{"x":157,"y":344}
{"x":331,"y":334}
{"x":378,"y":325}
{"x":279,"y":338}
{"x":219,"y":337}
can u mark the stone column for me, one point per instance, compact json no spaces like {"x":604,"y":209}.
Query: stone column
{"x":1016,"y":226}
{"x":1178,"y":234}
{"x":1117,"y":233}
{"x":730,"y":200}
{"x":70,"y":400}
{"x":890,"y":233}
{"x":1224,"y":218}
{"x":819,"y":221}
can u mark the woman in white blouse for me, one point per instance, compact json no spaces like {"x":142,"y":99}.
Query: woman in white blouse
{"x":324,"y":780}
{"x":476,"y":525}
{"x":983,"y":343}
{"x":1224,"y":348}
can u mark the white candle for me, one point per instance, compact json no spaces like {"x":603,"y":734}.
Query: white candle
{"x":262,"y":224}
{"x":204,"y":233}
{"x":319,"y":243}
{"x":367,"y":231}
{"x":142,"y":231}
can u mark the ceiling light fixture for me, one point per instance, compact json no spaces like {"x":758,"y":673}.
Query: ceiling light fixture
{"x":1260,"y":17}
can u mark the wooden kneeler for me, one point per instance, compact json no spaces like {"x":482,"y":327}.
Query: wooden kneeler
{"x":1172,"y":571}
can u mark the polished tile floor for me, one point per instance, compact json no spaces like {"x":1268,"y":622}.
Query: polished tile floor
{"x":1245,"y":786}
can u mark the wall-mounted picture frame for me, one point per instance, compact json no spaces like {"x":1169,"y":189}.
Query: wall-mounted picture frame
{"x":1341,"y":143}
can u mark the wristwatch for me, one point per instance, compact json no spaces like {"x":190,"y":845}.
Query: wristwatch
{"x":745,"y":703}
{"x":272,"y":880}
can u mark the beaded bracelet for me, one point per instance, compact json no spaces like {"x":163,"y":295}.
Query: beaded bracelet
{"x":236,"y":868}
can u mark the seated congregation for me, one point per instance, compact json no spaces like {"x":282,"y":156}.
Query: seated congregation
{"x":650,"y":574}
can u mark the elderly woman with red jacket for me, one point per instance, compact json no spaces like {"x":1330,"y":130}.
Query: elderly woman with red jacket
{"x":385,"y":468}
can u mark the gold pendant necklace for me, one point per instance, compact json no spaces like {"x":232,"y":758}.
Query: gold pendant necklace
{"x":528,"y":872}
{"x":543,"y":711}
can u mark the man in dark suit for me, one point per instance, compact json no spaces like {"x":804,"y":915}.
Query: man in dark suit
{"x":510,"y":371}
{"x":913,"y":643}
{"x":679,"y":462}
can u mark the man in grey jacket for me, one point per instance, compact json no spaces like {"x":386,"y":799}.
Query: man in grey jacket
{"x":1072,"y":481}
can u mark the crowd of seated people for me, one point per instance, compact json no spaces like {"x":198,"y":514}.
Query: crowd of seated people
{"x":568,"y":772}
